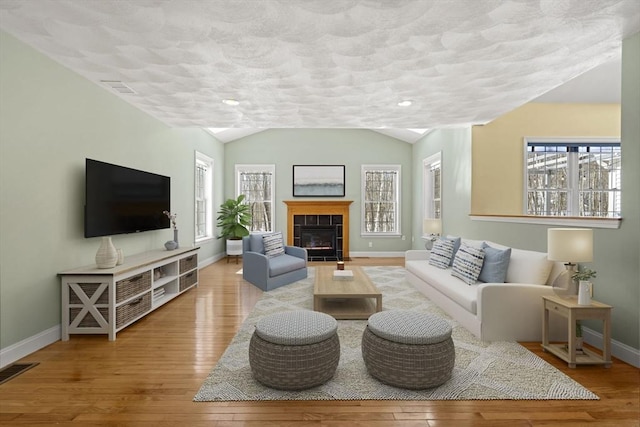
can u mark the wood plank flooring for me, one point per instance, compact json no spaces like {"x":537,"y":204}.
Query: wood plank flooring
{"x":149,"y":375}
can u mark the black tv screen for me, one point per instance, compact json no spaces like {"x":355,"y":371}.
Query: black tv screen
{"x":121,"y":200}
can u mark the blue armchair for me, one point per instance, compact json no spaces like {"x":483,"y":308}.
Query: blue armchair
{"x":270,"y":273}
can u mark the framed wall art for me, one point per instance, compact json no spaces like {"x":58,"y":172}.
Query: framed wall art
{"x":318,"y":180}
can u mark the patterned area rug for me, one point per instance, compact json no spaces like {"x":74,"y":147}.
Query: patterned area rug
{"x":483,"y":371}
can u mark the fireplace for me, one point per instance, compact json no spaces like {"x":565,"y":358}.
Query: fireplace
{"x":321,"y":227}
{"x":319,"y":241}
{"x":320,"y":235}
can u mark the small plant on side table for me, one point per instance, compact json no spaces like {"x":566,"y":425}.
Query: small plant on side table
{"x":584,"y":274}
{"x":581,"y":276}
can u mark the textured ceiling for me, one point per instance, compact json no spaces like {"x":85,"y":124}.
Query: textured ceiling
{"x":327,"y":64}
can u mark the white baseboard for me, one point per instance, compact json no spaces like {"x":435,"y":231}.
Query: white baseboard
{"x":372,"y":254}
{"x":208,"y":261}
{"x":622,"y":351}
{"x":30,"y":345}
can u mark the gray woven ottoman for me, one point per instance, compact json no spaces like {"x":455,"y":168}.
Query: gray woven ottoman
{"x":294,"y":350}
{"x":408,"y":349}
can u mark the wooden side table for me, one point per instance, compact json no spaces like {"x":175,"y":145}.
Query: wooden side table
{"x":572,"y":311}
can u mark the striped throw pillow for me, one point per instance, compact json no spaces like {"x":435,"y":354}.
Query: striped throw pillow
{"x":273,"y":244}
{"x":441,"y":253}
{"x":468,"y":264}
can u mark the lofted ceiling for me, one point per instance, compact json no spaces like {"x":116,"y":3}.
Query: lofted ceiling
{"x":328,"y":64}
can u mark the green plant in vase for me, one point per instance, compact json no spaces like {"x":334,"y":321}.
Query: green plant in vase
{"x":582,"y":276}
{"x":234,"y":217}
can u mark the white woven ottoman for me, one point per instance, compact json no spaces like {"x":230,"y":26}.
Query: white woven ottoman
{"x":294,"y":350}
{"x":408,"y":349}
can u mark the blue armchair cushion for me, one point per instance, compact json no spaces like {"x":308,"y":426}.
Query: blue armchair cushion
{"x":255,"y":240}
{"x":284,"y":264}
{"x":273,"y":244}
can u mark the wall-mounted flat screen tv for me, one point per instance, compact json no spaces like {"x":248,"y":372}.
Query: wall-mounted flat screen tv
{"x":121,"y":200}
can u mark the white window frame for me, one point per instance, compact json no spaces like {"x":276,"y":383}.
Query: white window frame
{"x":572,"y":166}
{"x":398,"y":197}
{"x":269,"y":168}
{"x":428,"y":184}
{"x":207,"y":200}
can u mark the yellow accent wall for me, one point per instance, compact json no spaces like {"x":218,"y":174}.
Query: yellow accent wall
{"x":498,"y":148}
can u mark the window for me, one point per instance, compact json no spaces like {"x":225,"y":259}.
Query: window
{"x":381,"y":200}
{"x":432,"y":185}
{"x":580,"y":178}
{"x":256,"y":182}
{"x":203,"y":197}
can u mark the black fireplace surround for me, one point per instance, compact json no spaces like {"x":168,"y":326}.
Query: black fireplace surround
{"x":320,"y":235}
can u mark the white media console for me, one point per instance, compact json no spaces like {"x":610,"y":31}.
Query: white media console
{"x":105,"y":301}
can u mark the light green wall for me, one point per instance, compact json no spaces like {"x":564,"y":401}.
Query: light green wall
{"x":455,"y":148}
{"x":50,"y":120}
{"x":625,"y":246}
{"x":349,"y":147}
{"x":616,"y":252}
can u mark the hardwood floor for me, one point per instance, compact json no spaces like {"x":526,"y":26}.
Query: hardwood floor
{"x":149,"y":375}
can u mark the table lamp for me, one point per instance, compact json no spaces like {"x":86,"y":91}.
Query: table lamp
{"x":569,"y":245}
{"x":432,"y":227}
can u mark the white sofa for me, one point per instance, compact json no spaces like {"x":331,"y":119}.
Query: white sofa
{"x":510,"y":311}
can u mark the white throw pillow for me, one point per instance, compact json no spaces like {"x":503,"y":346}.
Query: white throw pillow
{"x":528,"y":267}
{"x":441,"y":253}
{"x":273,"y":244}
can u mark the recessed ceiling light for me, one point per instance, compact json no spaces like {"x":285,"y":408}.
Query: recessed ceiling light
{"x":118,"y":86}
{"x":404,"y":103}
{"x":232,"y":102}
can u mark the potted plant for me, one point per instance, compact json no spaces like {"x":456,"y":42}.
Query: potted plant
{"x":584,"y":287}
{"x":584,"y":297}
{"x":583,"y":275}
{"x":234,"y":217}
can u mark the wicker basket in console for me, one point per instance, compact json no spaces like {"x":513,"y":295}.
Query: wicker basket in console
{"x":131,"y":286}
{"x":188,"y":280}
{"x":188,"y":263}
{"x":89,"y":290}
{"x":129,"y":311}
{"x":89,"y":320}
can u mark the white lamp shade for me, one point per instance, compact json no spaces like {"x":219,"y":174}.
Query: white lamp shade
{"x":570,"y":244}
{"x":432,"y":226}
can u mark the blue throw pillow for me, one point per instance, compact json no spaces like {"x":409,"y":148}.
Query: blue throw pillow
{"x":496,"y":263}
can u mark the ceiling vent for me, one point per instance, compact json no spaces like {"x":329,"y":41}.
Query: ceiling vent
{"x":118,"y":86}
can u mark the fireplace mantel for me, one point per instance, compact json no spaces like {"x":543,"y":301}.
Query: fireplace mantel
{"x":320,"y":207}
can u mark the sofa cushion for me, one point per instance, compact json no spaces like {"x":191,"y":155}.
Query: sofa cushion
{"x":441,"y":279}
{"x":255,"y":242}
{"x":441,"y":253}
{"x":456,"y":245}
{"x":496,"y":263}
{"x":528,"y":267}
{"x":467,"y":264}
{"x":284,"y":263}
{"x":273,"y":244}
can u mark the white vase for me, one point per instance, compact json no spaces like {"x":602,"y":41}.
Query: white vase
{"x":234,"y":247}
{"x":107,"y":255}
{"x":584,"y":293}
{"x":175,"y":237}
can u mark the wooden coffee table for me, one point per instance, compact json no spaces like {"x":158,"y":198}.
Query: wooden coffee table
{"x":345,"y":299}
